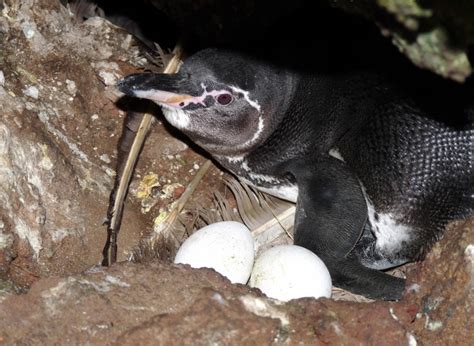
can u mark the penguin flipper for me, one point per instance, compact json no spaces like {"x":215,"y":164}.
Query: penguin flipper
{"x":330,"y":216}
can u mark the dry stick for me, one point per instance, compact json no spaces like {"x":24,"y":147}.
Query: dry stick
{"x":288,"y":214}
{"x":110,"y":251}
{"x":278,"y":219}
{"x":249,"y":199}
{"x":167,"y":224}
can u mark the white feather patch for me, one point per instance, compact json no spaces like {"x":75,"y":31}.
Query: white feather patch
{"x":334,"y":152}
{"x":390,"y":233}
{"x":177,"y":117}
{"x":287,"y":192}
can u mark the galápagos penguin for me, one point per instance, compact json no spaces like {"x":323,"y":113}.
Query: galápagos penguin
{"x":375,"y":179}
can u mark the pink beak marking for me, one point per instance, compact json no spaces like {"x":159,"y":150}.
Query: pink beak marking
{"x":173,"y":100}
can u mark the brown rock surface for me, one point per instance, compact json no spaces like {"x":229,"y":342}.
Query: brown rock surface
{"x":163,"y":303}
{"x":59,"y":130}
{"x":50,"y":167}
{"x":443,"y":288}
{"x":166,"y":304}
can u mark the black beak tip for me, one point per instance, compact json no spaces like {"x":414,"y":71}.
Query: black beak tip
{"x":136,"y":82}
{"x":127,"y":85}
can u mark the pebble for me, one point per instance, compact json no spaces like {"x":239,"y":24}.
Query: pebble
{"x":32,"y":92}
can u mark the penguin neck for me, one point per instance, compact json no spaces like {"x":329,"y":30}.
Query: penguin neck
{"x":321,"y":111}
{"x":280,"y":100}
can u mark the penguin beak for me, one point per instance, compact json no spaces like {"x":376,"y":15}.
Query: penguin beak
{"x":164,"y":89}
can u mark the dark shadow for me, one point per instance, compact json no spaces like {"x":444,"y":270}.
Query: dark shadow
{"x":310,"y":39}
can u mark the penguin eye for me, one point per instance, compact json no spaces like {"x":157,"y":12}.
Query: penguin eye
{"x":224,"y":99}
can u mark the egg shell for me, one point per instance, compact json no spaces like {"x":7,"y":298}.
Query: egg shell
{"x":288,"y":272}
{"x":227,"y":247}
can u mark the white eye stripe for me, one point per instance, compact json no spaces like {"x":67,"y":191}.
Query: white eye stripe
{"x":216,"y":93}
{"x":254,"y":104}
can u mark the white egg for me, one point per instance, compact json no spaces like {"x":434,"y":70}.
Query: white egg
{"x":288,"y":272}
{"x":227,"y":247}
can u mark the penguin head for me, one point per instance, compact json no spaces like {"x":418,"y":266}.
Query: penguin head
{"x":217,"y":99}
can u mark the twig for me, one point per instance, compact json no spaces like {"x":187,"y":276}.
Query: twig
{"x":115,"y":211}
